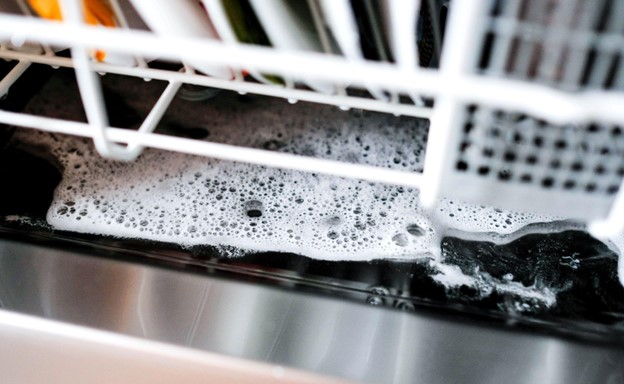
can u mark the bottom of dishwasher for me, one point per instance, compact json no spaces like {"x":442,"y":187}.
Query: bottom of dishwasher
{"x":284,"y":327}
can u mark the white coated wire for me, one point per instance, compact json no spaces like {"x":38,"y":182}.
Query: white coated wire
{"x":222,"y":151}
{"x":534,"y":98}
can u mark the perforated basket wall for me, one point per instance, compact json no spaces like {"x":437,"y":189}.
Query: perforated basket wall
{"x":569,"y":44}
{"x":509,"y":158}
{"x":526,"y":162}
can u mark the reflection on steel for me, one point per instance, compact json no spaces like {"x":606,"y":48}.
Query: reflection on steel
{"x":284,"y":327}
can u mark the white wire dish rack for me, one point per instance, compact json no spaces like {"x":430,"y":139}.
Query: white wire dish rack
{"x":526,"y":105}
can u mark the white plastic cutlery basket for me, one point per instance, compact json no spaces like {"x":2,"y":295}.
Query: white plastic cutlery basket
{"x":526,"y":98}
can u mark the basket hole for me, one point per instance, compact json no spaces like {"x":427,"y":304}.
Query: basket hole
{"x":518,"y":117}
{"x":538,"y":141}
{"x":569,"y":184}
{"x":531,"y":159}
{"x":510,"y":156}
{"x":593,"y":128}
{"x":483,"y":170}
{"x":488,"y":152}
{"x":600,"y":169}
{"x":612,"y":189}
{"x":560,"y":144}
{"x":548,"y":182}
{"x":577,"y":166}
{"x":612,"y":73}
{"x":504,"y":175}
{"x":555,"y":164}
{"x":591,"y":187}
{"x":462,"y":166}
{"x":526,"y":178}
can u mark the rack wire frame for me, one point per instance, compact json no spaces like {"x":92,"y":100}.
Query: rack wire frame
{"x":458,"y":82}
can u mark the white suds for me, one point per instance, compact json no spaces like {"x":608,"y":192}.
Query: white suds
{"x":616,"y":244}
{"x":452,"y":276}
{"x":192,"y":200}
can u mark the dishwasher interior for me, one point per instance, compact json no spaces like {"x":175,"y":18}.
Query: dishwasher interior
{"x":303,"y":270}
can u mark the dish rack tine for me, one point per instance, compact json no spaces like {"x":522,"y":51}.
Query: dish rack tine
{"x":153,"y":118}
{"x":89,"y":86}
{"x":140,"y":61}
{"x":47,"y":49}
{"x":461,"y":50}
{"x":12,"y":76}
{"x":405,"y":15}
{"x":91,"y":92}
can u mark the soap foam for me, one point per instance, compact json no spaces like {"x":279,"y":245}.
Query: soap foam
{"x":616,"y":244}
{"x":192,"y":200}
{"x":533,"y":298}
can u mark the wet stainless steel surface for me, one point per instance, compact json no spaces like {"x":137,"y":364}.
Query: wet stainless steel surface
{"x":286,"y":327}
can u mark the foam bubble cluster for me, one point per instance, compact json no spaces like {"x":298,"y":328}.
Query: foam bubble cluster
{"x":480,"y":219}
{"x":194,"y":200}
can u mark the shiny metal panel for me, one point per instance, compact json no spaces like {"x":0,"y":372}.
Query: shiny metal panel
{"x":313,"y":333}
{"x":37,"y":350}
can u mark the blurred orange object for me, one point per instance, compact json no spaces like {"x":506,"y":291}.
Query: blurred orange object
{"x":97,"y":12}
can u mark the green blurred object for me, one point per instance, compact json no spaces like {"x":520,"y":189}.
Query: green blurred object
{"x":247,"y":28}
